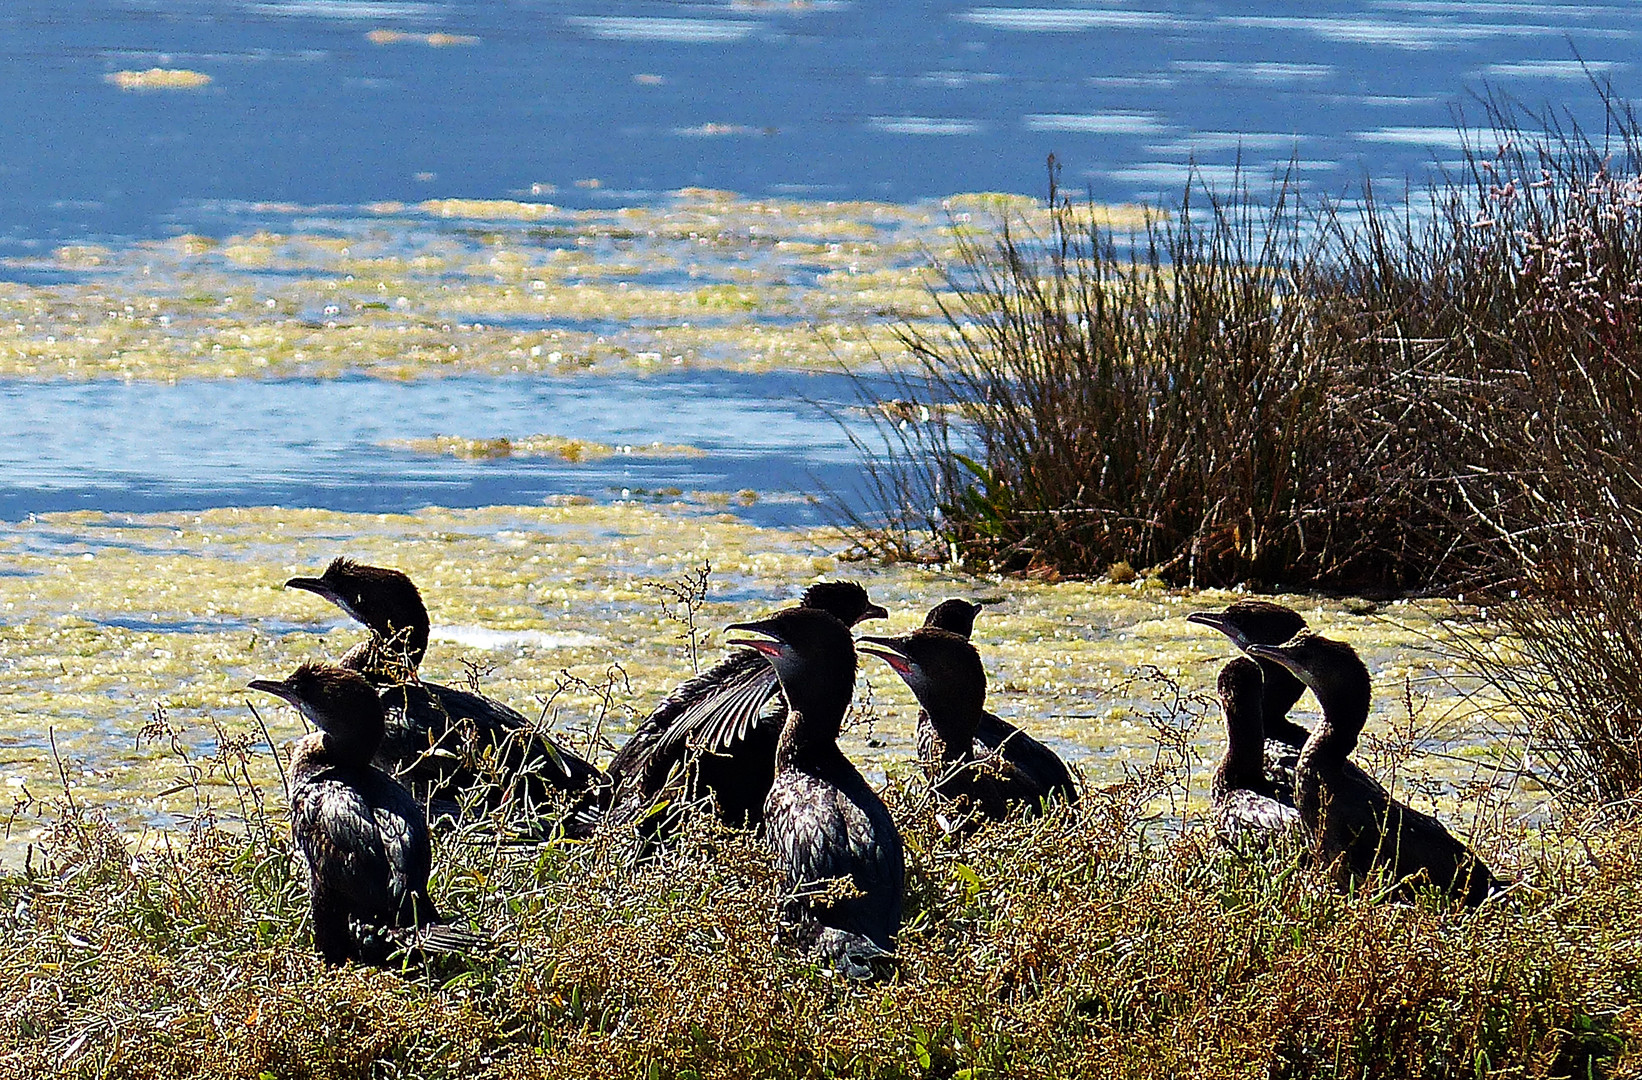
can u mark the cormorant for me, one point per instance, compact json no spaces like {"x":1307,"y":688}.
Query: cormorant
{"x":945,"y":672}
{"x":1262,"y":622}
{"x":438,"y":737}
{"x":1245,"y":803}
{"x":820,"y":816}
{"x":993,"y":732}
{"x":1354,"y":827}
{"x":720,"y":727}
{"x":362,"y":835}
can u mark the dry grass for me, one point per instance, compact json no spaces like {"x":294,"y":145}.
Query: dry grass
{"x":1104,"y":940}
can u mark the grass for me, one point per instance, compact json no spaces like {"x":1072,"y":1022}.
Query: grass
{"x":1099,"y":940}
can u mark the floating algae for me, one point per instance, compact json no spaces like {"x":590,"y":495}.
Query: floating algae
{"x":458,"y":286}
{"x":559,"y":446}
{"x":103,"y":616}
{"x":158,"y":79}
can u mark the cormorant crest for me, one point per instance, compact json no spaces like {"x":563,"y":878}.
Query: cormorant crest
{"x":958,"y":616}
{"x":385,"y":600}
{"x":843,"y":600}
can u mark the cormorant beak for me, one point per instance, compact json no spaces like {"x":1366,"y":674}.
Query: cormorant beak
{"x":1217,"y":620}
{"x":987,"y":601}
{"x":1278,"y":654}
{"x":770,"y":648}
{"x":276,"y":687}
{"x":891,"y":650}
{"x":317,"y":586}
{"x":874,"y":611}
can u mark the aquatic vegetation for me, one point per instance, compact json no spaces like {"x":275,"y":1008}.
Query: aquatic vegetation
{"x":103,"y":616}
{"x":572,"y":450}
{"x":158,"y":79}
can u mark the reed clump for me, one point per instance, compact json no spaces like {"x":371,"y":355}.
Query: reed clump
{"x":1261,"y":389}
{"x":1103,"y":939}
{"x":1435,"y":394}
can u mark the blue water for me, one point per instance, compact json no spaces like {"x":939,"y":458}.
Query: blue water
{"x":822,"y":99}
{"x":119,"y":446}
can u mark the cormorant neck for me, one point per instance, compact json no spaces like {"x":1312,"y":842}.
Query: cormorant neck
{"x":1245,"y":762}
{"x":1345,"y":711}
{"x":1281,"y":691}
{"x":954,"y":726}
{"x":806,"y":739}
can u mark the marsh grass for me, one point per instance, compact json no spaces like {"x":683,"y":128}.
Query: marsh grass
{"x":1113,"y":938}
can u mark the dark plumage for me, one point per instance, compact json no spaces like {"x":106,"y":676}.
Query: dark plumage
{"x":821,"y":817}
{"x":362,"y":835}
{"x":719,"y":729}
{"x":1262,"y":622}
{"x":1356,"y":828}
{"x":440,"y":740}
{"x":1029,"y":755}
{"x":945,"y":673}
{"x":1246,"y":804}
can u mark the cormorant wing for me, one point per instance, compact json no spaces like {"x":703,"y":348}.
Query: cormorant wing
{"x":1248,"y":815}
{"x":717,"y":709}
{"x":1031,"y":759}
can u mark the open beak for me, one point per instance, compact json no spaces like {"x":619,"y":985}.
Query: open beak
{"x":889,"y":650}
{"x":769,"y":645}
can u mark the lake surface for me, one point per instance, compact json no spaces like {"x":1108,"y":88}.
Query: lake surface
{"x":339,"y":444}
{"x":345,"y":102}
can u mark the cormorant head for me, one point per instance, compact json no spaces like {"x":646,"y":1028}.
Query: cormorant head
{"x":337,"y":701}
{"x":813,"y":655}
{"x":958,"y":616}
{"x":944,"y":671}
{"x":1332,"y":669}
{"x":384,"y":600}
{"x":1253,"y":622}
{"x":843,"y":600}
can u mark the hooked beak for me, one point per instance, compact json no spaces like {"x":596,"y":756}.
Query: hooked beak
{"x":317,"y":586}
{"x":275,"y":687}
{"x":1277,"y":654}
{"x":874,"y":611}
{"x":1216,"y":620}
{"x":889,"y":650}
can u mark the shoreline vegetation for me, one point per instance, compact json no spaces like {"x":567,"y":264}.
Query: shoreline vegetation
{"x":1375,"y":401}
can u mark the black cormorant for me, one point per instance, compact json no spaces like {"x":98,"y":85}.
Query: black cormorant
{"x":363,"y":836}
{"x":820,"y":816}
{"x":1245,"y":803}
{"x":442,"y":741}
{"x":720,"y":728}
{"x":945,"y":673}
{"x":1029,"y":755}
{"x":1356,"y":828}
